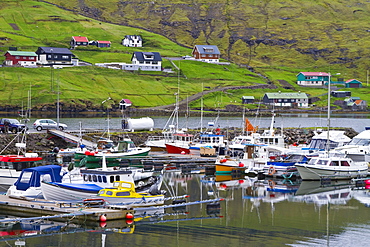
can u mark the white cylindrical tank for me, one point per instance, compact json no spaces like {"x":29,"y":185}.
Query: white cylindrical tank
{"x":133,"y":124}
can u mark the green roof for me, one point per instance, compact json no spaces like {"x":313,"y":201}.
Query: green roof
{"x":286,"y":95}
{"x":23,"y":53}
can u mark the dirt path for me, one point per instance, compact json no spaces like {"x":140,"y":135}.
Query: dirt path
{"x":184,"y":102}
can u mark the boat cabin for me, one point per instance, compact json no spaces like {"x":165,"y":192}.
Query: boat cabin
{"x":32,"y":177}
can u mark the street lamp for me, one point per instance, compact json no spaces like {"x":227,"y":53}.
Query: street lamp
{"x":107,"y":115}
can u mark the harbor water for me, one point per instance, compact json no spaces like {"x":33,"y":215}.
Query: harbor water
{"x":266,"y":212}
{"x":253,"y":213}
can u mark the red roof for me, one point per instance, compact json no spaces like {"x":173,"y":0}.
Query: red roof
{"x":103,"y":42}
{"x":126,"y":101}
{"x":315,"y":73}
{"x":357,"y":102}
{"x":80,"y":39}
{"x":351,"y":80}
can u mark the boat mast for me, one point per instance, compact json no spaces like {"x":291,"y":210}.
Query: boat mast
{"x":201,"y":111}
{"x":328,"y":135}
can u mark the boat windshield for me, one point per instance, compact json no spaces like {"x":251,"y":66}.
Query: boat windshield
{"x":360,"y":142}
{"x":320,"y":162}
{"x":320,"y":144}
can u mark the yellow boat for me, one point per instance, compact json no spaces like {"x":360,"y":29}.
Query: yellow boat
{"x":123,"y":193}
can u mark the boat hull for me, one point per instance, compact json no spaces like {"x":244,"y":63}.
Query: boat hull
{"x":55,"y":192}
{"x":174,"y":149}
{"x":229,"y":168}
{"x":143,"y":201}
{"x":317,"y":173}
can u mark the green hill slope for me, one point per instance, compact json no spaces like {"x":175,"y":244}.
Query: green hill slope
{"x":277,"y":40}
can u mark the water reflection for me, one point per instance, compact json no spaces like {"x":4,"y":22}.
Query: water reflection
{"x":255,"y":213}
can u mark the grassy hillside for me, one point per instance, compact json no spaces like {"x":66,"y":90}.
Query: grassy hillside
{"x":29,"y":24}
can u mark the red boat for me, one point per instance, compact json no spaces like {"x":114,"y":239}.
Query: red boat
{"x":172,"y":148}
{"x":19,"y":158}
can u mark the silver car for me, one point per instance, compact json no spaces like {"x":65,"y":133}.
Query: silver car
{"x":42,"y":124}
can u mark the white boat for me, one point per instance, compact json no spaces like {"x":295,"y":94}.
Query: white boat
{"x":29,"y":182}
{"x":332,"y":167}
{"x":322,"y":141}
{"x":359,"y":148}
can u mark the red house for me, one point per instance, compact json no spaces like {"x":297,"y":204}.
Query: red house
{"x":102,"y":44}
{"x":20,"y":58}
{"x":78,"y":41}
{"x":206,"y":53}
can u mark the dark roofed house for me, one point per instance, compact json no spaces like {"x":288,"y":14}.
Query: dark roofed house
{"x":286,"y":99}
{"x":20,"y":58}
{"x":146,"y":61}
{"x":247,"y":99}
{"x":353,"y":83}
{"x":79,"y":41}
{"x":206,"y":53}
{"x":54,"y":56}
{"x":341,"y":94}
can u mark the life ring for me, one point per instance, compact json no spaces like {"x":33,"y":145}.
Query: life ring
{"x":272,"y":184}
{"x":271,"y":171}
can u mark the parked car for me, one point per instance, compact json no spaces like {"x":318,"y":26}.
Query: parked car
{"x":43,"y":124}
{"x":13,"y":125}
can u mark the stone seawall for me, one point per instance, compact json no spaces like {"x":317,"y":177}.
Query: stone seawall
{"x":44,"y":142}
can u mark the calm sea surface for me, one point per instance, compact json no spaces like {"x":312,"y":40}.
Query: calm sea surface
{"x":254,"y":213}
{"x":356,"y":121}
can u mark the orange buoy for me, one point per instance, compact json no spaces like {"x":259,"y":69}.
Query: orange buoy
{"x":129,"y":222}
{"x":367,"y":181}
{"x":129,"y":216}
{"x":103,"y":218}
{"x":241,"y":164}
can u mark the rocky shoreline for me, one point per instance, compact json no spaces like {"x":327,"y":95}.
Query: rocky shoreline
{"x":43,"y":143}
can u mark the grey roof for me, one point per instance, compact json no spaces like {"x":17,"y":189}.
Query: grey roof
{"x":130,"y":37}
{"x":56,"y":50}
{"x":286,"y":95}
{"x":140,"y":56}
{"x":208,"y":49}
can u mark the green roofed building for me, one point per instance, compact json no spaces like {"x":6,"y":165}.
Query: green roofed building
{"x":296,"y":100}
{"x":20,"y":58}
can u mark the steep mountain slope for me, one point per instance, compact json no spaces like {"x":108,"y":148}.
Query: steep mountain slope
{"x":293,"y":33}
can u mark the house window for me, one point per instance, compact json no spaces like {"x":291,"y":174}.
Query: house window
{"x":141,"y":62}
{"x":17,"y":57}
{"x":154,"y":62}
{"x":49,"y":56}
{"x":147,"y":62}
{"x":65,"y":57}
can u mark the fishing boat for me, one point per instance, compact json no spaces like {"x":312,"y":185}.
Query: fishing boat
{"x":124,"y":192}
{"x":179,"y":144}
{"x":332,"y":167}
{"x":11,"y":166}
{"x":125,"y":149}
{"x":28,"y":183}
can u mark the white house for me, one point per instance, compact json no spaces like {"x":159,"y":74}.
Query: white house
{"x":146,"y":61}
{"x":132,"y":41}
